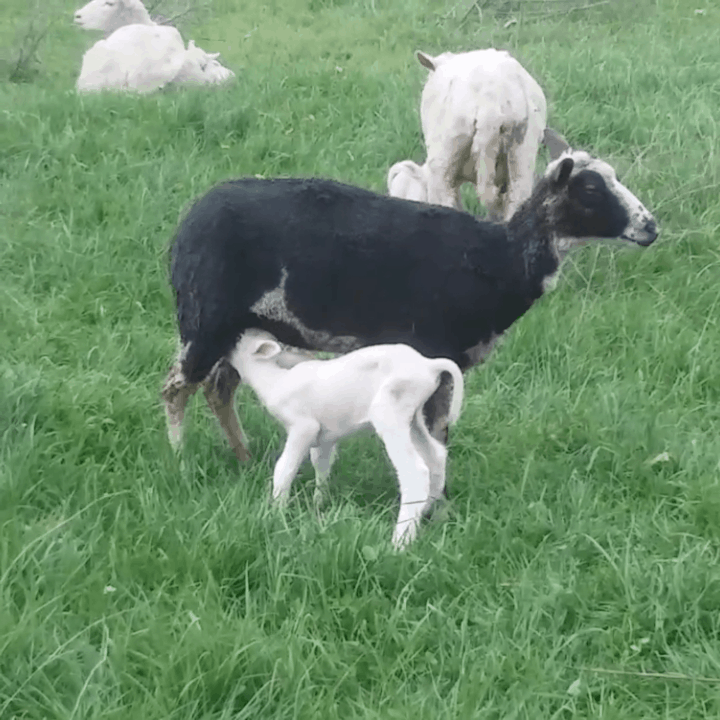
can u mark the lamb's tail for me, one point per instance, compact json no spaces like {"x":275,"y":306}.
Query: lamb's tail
{"x":441,"y":365}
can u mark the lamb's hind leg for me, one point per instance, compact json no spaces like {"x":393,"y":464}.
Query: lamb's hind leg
{"x":219,"y":388}
{"x":175,"y":393}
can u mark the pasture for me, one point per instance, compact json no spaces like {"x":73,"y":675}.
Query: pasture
{"x":576,"y":571}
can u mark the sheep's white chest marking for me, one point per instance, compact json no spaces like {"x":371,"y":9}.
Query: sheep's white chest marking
{"x":273,"y":306}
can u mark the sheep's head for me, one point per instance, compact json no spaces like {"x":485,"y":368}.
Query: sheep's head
{"x":432,"y":63}
{"x":261,"y":346}
{"x":109,"y":15}
{"x":586,"y":200}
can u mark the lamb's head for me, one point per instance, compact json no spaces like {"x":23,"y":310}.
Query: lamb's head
{"x":109,"y":15}
{"x":202,"y":68}
{"x":584,"y":200}
{"x":261,"y":347}
{"x":407,"y":180}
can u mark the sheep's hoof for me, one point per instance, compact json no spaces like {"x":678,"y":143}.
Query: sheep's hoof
{"x":242,"y":453}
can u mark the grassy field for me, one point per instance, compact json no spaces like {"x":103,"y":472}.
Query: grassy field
{"x":577,"y":574}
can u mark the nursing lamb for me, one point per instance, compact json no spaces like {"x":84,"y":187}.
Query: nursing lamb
{"x":320,"y":402}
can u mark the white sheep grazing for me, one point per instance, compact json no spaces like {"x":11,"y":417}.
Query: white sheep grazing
{"x":322,"y":401}
{"x":142,"y":58}
{"x":109,"y":15}
{"x":483,"y":118}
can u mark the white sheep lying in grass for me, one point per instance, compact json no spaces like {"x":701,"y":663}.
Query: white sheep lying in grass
{"x":144,"y":58}
{"x":483,"y":118}
{"x":322,"y":401}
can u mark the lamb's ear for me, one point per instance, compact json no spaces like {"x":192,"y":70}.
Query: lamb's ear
{"x":426,"y":60}
{"x":555,"y":143}
{"x":561,"y":174}
{"x":213,"y":56}
{"x":191,"y":45}
{"x":267,"y":349}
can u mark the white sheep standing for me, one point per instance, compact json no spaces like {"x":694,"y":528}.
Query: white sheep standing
{"x":322,"y":401}
{"x":144,"y":58}
{"x":483,"y":117}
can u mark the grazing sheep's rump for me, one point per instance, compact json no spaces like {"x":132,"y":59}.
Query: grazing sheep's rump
{"x":483,"y":117}
{"x":319,"y":402}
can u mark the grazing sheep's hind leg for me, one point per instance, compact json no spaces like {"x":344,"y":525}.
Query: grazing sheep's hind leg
{"x":175,"y":393}
{"x":521,"y":167}
{"x":490,"y":167}
{"x":219,"y":388}
{"x":322,"y":457}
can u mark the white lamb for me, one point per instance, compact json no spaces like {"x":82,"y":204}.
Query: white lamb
{"x":201,"y":68}
{"x":322,"y":401}
{"x":144,"y":58}
{"x":483,"y":117}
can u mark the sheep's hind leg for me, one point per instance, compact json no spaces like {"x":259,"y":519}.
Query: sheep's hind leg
{"x":322,"y":457}
{"x":434,"y":454}
{"x":219,"y":388}
{"x":393,"y":427}
{"x":175,"y":393}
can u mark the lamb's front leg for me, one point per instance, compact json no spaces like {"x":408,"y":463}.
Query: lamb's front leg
{"x":301,"y":437}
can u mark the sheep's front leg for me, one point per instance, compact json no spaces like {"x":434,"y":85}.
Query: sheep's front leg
{"x":175,"y":393}
{"x":322,"y":457}
{"x":219,"y":389}
{"x":301,"y":437}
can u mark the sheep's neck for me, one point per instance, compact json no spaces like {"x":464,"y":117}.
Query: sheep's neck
{"x":530,"y":232}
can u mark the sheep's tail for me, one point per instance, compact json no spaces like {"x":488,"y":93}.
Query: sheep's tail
{"x":441,"y":365}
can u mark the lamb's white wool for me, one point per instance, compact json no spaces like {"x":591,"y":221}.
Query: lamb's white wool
{"x":483,"y":118}
{"x":140,"y":58}
{"x":109,"y":15}
{"x":202,"y":68}
{"x":406,"y":179}
{"x":322,"y":401}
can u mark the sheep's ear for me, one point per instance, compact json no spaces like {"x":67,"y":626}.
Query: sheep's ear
{"x":191,"y":45}
{"x":562,"y":172}
{"x":267,"y":349}
{"x":213,"y":56}
{"x":426,"y":60}
{"x":555,"y":143}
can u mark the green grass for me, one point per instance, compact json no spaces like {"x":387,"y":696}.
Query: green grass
{"x":580,"y":556}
